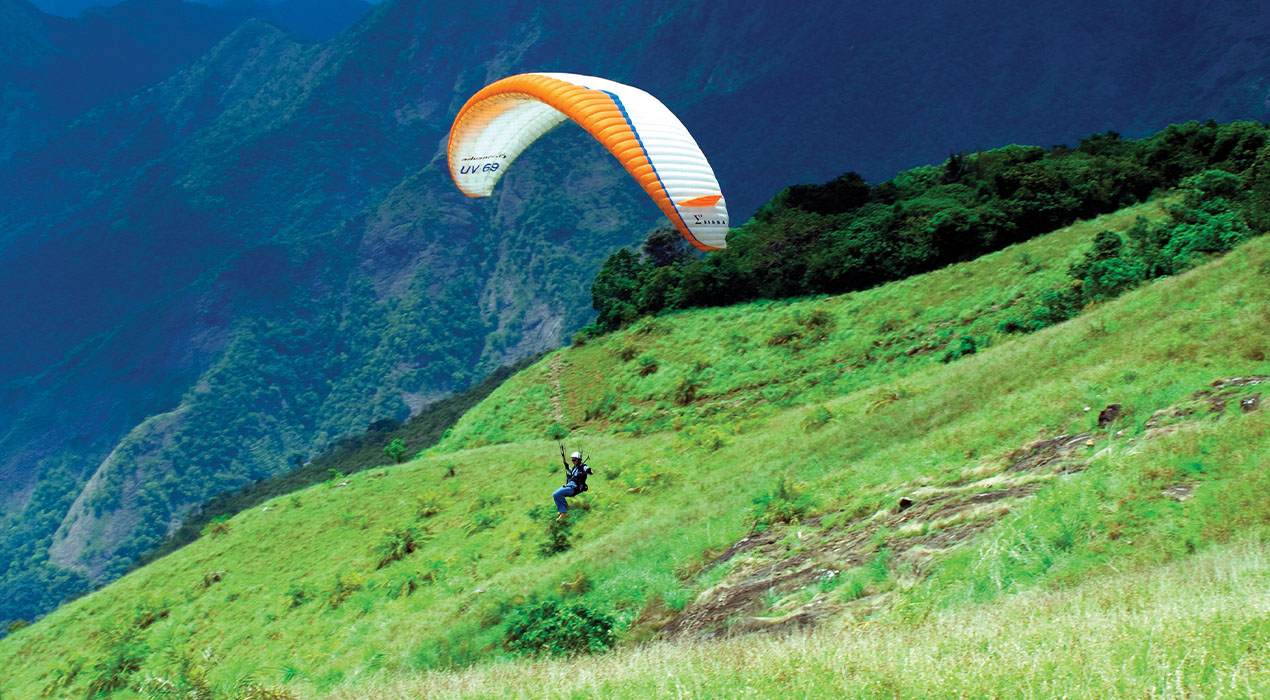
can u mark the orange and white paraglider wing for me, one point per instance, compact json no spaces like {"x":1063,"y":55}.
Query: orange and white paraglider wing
{"x":502,"y":119}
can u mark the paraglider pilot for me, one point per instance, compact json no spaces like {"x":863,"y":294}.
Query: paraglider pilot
{"x":575,"y":483}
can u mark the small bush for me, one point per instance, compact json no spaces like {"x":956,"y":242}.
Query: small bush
{"x":557,"y":531}
{"x":817,"y":419}
{"x":644,"y":478}
{"x":550,"y":627}
{"x":556,"y":431}
{"x":402,"y":584}
{"x":647,"y":365}
{"x":786,"y":503}
{"x":886,"y":399}
{"x":580,"y":585}
{"x":433,"y":570}
{"x":210,"y":578}
{"x":967,"y":346}
{"x":298,"y":595}
{"x":783,"y":336}
{"x":872,"y":577}
{"x":601,"y":408}
{"x":190,"y":678}
{"x":396,"y":450}
{"x":481,"y":521}
{"x":344,"y":586}
{"x":62,"y":677}
{"x":427,"y":505}
{"x":399,"y":542}
{"x":217,"y":527}
{"x":818,"y":323}
{"x":710,"y":438}
{"x":123,"y":650}
{"x":686,"y":392}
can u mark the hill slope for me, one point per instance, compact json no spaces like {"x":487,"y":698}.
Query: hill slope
{"x":54,"y":68}
{"x":320,"y":273}
{"x":1015,"y":485}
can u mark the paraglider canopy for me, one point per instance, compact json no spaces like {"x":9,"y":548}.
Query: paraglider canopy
{"x":502,"y":119}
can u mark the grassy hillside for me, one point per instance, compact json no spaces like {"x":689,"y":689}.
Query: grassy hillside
{"x":728,"y":365}
{"x":755,"y":481}
{"x":1189,"y":629}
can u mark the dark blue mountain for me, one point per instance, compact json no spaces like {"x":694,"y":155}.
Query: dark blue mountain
{"x":210,"y":280}
{"x":54,"y":68}
{"x":318,"y":16}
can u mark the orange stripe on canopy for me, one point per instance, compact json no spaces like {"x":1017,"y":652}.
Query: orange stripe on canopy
{"x":706,"y":201}
{"x":597,"y":113}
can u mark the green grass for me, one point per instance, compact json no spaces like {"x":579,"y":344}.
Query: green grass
{"x":752,"y":360}
{"x":293,"y":592}
{"x":1193,"y":629}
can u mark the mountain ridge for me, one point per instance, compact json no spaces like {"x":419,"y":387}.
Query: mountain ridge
{"x":58,"y":68}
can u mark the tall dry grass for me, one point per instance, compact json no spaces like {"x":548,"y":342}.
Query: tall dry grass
{"x":1199,"y":628}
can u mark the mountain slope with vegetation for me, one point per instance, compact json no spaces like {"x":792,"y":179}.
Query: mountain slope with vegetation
{"x":319,"y":273}
{"x":55,"y":68}
{"x":891,"y":490}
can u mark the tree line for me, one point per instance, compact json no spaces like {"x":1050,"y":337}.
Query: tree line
{"x":847,"y":235}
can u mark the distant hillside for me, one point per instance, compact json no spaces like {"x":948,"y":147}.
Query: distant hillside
{"x":226,"y":271}
{"x":314,"y":13}
{"x":55,"y":68}
{"x":345,"y":457}
{"x":750,"y":479}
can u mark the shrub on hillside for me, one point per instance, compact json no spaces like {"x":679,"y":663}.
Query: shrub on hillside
{"x":643,"y":478}
{"x":1203,"y":224}
{"x":402,"y":584}
{"x":217,"y":527}
{"x":298,"y":595}
{"x":557,"y":530}
{"x":427,"y":505}
{"x":397,"y":543}
{"x":550,"y":627}
{"x":123,"y":649}
{"x":482,"y":520}
{"x":647,"y":365}
{"x":396,"y":450}
{"x":966,"y":346}
{"x":786,"y":503}
{"x":602,"y":407}
{"x":817,"y":419}
{"x":345,"y":585}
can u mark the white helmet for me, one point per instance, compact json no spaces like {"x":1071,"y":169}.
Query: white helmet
{"x":576,"y":455}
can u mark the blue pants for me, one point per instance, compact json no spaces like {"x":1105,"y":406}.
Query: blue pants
{"x":561,"y":493}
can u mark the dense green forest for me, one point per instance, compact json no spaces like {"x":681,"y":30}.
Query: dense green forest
{"x":848,"y":235}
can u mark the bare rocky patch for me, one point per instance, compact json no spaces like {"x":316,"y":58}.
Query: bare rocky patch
{"x":777,"y":575}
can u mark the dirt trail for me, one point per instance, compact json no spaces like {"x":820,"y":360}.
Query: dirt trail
{"x":554,"y":371}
